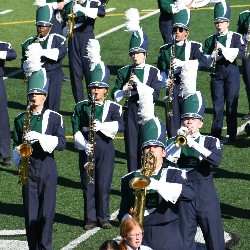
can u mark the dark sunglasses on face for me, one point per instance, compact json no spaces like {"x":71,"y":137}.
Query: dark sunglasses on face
{"x":181,"y":29}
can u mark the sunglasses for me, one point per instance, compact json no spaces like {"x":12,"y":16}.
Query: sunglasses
{"x":181,"y":29}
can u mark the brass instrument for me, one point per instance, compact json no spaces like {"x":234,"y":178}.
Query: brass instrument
{"x":168,"y":99}
{"x":247,"y":48}
{"x":128,"y":92}
{"x":216,"y":53}
{"x":25,"y":150}
{"x":71,"y":22}
{"x":140,"y":183}
{"x":90,"y":164}
{"x":180,"y":141}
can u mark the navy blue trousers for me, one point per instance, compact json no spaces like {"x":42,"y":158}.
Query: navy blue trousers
{"x":97,"y":196}
{"x":165,"y":25}
{"x":39,"y":200}
{"x":132,"y":140}
{"x":205,"y":211}
{"x":78,"y":63}
{"x":53,"y":99}
{"x":225,"y":86}
{"x":163,"y":237}
{"x":246,"y":78}
{"x":5,"y":136}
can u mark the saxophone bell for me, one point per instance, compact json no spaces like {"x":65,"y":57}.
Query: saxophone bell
{"x":139,"y":184}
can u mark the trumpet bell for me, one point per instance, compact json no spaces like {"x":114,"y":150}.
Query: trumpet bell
{"x":139,"y":182}
{"x":24,"y":150}
{"x":180,"y":141}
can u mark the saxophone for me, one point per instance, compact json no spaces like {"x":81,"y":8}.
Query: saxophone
{"x":140,"y":183}
{"x":25,"y":150}
{"x":247,"y":48}
{"x":90,"y":164}
{"x":71,"y":22}
{"x":168,"y":99}
{"x":216,"y":53}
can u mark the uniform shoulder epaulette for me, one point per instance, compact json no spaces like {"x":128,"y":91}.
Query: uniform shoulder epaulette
{"x":131,"y":173}
{"x":165,"y":45}
{"x":114,"y":103}
{"x":58,"y":35}
{"x":20,"y":114}
{"x":210,"y":36}
{"x":124,"y":67}
{"x":196,"y":42}
{"x":244,"y":12}
{"x":33,"y":37}
{"x":151,"y":66}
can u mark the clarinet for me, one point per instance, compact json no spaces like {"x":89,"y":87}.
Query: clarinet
{"x":90,"y":164}
{"x":216,"y":53}
{"x":128,"y":92}
{"x":168,"y":99}
{"x":247,"y":48}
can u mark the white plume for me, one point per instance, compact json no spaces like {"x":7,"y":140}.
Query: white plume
{"x":39,"y":3}
{"x":33,"y":54}
{"x":188,"y":78}
{"x":93,"y":51}
{"x":133,"y":20}
{"x":146,"y":103}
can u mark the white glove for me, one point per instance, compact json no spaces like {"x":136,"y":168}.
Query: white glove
{"x":77,"y":8}
{"x":81,"y":1}
{"x":182,"y":131}
{"x":199,"y":148}
{"x":178,"y":63}
{"x":3,"y":55}
{"x":81,"y":142}
{"x":33,"y":136}
{"x":220,"y":46}
{"x":98,"y":125}
{"x":51,"y":53}
{"x":125,"y":88}
{"x":154,"y":184}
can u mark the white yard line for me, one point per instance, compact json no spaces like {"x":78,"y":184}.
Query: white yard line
{"x":5,"y":12}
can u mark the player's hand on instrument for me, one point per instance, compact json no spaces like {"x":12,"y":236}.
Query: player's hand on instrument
{"x":169,"y":83}
{"x":182,"y":131}
{"x":97,"y":125}
{"x":178,"y":63}
{"x":127,"y":87}
{"x":33,"y":136}
{"x":89,"y":148}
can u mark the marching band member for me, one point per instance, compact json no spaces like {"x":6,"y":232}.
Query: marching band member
{"x":54,"y":50}
{"x":57,"y":19}
{"x":222,"y":50}
{"x":107,"y":122}
{"x":125,"y":86}
{"x":46,"y":135}
{"x":86,"y":12}
{"x":167,"y":8}
{"x":172,"y":57}
{"x":244,"y":30}
{"x":196,"y":155}
{"x":167,"y":185}
{"x":7,"y":53}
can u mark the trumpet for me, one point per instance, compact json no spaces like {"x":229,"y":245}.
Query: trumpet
{"x":71,"y":22}
{"x":90,"y":164}
{"x":25,"y":150}
{"x":216,"y":53}
{"x":168,"y":99}
{"x":140,"y":183}
{"x":247,"y":48}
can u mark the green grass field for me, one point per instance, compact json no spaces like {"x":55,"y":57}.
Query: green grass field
{"x":231,"y":179}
